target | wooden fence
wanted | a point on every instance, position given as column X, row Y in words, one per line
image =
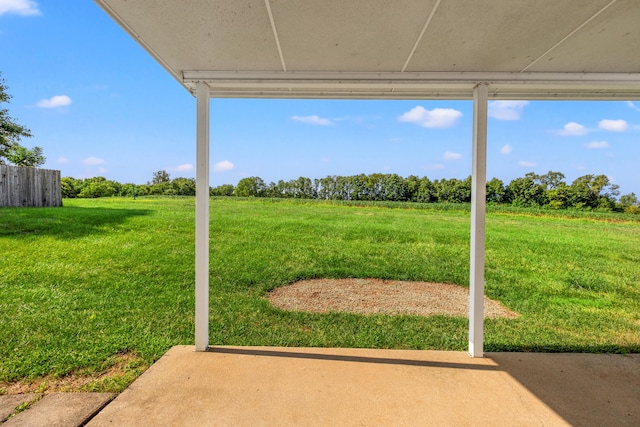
column 21, row 186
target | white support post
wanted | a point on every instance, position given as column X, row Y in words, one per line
column 202, row 217
column 478, row 213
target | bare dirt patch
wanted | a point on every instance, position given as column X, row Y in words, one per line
column 121, row 368
column 372, row 296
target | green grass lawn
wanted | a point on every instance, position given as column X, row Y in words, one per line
column 83, row 285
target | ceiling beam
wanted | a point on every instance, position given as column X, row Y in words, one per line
column 431, row 85
column 465, row 76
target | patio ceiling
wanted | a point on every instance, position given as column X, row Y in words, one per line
column 383, row 49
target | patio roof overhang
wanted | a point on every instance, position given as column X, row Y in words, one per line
column 414, row 49
column 381, row 49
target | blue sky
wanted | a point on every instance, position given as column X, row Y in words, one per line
column 98, row 104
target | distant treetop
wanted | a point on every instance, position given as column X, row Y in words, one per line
column 11, row 134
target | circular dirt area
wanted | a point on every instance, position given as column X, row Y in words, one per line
column 369, row 296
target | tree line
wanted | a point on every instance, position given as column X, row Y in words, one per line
column 160, row 185
column 588, row 192
column 592, row 192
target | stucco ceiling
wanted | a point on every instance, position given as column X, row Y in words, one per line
column 527, row 49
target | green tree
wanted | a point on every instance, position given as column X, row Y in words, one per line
column 374, row 186
column 160, row 184
column 326, row 188
column 160, row 177
column 526, row 191
column 629, row 200
column 413, row 183
column 425, row 193
column 22, row 156
column 143, row 190
column 70, row 187
column 559, row 197
column 452, row 190
column 594, row 192
column 303, row 188
column 11, row 133
column 222, row 190
column 550, row 180
column 358, row 187
column 184, row 186
column 342, row 189
column 394, row 188
column 128, row 189
column 250, row 187
column 98, row 187
column 556, row 192
column 496, row 192
column 629, row 203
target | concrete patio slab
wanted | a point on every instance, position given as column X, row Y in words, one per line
column 585, row 389
column 61, row 410
column 9, row 403
column 264, row 386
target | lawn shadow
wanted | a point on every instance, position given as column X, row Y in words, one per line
column 65, row 222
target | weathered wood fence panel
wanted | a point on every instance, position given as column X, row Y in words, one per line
column 29, row 187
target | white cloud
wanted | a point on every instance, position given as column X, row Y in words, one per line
column 435, row 166
column 450, row 155
column 526, row 164
column 19, row 7
column 597, row 144
column 613, row 125
column 506, row 110
column 54, row 101
column 573, row 129
column 184, row 168
column 506, row 149
column 223, row 166
column 312, row 120
column 632, row 105
column 436, row 118
column 62, row 160
column 103, row 170
column 92, row 161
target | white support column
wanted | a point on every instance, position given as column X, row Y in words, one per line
column 478, row 213
column 202, row 217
